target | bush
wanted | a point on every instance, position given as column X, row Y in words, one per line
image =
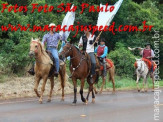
column 123, row 60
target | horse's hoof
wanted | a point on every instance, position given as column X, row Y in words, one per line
column 142, row 91
column 96, row 92
column 62, row 100
column 93, row 100
column 73, row 104
column 40, row 102
column 146, row 90
column 113, row 92
column 152, row 90
column 49, row 100
column 138, row 90
column 86, row 102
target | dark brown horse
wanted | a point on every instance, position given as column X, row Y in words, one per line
column 42, row 69
column 80, row 69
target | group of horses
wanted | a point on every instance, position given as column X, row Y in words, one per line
column 80, row 66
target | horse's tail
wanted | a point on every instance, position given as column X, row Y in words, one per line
column 111, row 73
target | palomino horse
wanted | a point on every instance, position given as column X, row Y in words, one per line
column 142, row 70
column 111, row 72
column 42, row 69
column 80, row 69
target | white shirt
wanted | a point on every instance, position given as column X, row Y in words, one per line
column 90, row 47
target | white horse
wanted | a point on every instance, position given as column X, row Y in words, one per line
column 143, row 71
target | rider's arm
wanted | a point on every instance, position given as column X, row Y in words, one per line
column 105, row 52
column 141, row 52
column 96, row 49
column 152, row 54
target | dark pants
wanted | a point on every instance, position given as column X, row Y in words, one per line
column 93, row 63
column 104, row 65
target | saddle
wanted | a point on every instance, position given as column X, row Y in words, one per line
column 148, row 63
column 99, row 64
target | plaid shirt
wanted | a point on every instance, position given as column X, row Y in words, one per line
column 52, row 40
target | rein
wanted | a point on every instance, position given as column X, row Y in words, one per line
column 81, row 59
column 34, row 51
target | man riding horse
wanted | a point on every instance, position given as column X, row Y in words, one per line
column 51, row 38
column 86, row 42
column 147, row 53
column 102, row 51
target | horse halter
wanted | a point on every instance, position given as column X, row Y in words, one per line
column 66, row 52
column 36, row 50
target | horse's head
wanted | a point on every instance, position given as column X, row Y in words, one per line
column 139, row 64
column 35, row 47
column 67, row 50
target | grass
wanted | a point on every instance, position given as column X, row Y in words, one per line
column 126, row 83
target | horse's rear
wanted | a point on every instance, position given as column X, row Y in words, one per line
column 110, row 70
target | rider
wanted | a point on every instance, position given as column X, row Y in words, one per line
column 51, row 38
column 147, row 53
column 86, row 41
column 102, row 51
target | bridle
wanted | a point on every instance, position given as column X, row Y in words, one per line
column 68, row 51
column 35, row 51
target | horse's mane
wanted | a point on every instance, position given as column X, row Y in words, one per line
column 77, row 48
column 42, row 48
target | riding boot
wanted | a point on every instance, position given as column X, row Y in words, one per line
column 31, row 71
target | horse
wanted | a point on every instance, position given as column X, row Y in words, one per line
column 110, row 71
column 142, row 70
column 43, row 68
column 80, row 69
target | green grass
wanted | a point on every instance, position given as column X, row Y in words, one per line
column 126, row 83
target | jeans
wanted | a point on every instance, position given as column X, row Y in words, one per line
column 93, row 63
column 54, row 52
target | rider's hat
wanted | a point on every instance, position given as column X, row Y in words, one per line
column 102, row 40
column 147, row 44
column 51, row 24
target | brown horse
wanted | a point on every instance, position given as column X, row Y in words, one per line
column 80, row 69
column 111, row 72
column 42, row 69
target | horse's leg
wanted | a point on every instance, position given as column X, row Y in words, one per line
column 51, row 90
column 37, row 81
column 102, row 86
column 144, row 80
column 94, row 88
column 62, row 79
column 81, row 90
column 112, row 79
column 93, row 96
column 43, row 88
column 75, row 90
column 137, row 82
column 88, row 94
